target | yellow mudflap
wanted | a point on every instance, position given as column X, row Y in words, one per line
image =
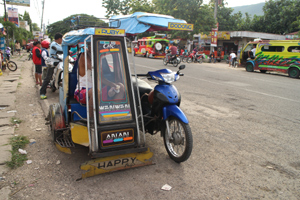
column 115, row 163
column 63, row 149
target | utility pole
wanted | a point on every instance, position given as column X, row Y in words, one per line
column 216, row 9
column 42, row 14
column 5, row 11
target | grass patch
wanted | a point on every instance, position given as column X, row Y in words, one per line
column 15, row 121
column 17, row 159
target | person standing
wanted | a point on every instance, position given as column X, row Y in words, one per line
column 232, row 59
column 18, row 48
column 37, row 60
column 56, row 43
column 45, row 54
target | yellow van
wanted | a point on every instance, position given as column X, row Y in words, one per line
column 275, row 55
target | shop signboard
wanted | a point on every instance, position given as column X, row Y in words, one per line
column 13, row 15
column 19, row 2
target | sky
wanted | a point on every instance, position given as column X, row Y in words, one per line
column 56, row 10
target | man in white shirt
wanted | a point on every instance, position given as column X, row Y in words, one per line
column 232, row 58
column 251, row 54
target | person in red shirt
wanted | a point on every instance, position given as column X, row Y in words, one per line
column 37, row 60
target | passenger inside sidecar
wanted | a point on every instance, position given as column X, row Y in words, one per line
column 111, row 83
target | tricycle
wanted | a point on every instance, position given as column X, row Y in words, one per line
column 119, row 108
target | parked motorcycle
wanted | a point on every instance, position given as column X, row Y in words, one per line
column 57, row 62
column 194, row 58
column 161, row 112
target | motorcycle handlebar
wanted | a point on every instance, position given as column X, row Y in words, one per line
column 143, row 75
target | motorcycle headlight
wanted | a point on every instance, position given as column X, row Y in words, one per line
column 169, row 77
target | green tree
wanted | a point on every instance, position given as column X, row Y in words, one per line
column 26, row 17
column 190, row 10
column 116, row 7
column 66, row 24
column 124, row 7
column 280, row 17
column 35, row 27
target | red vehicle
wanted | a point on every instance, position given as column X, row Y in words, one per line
column 218, row 52
column 153, row 46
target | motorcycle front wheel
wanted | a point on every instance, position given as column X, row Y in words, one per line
column 165, row 61
column 189, row 60
column 180, row 145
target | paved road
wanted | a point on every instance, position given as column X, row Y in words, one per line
column 246, row 138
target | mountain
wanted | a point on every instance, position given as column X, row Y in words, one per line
column 254, row 9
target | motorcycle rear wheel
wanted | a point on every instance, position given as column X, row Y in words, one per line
column 175, row 62
column 180, row 145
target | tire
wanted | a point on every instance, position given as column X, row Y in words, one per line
column 263, row 71
column 189, row 60
column 249, row 67
column 56, row 120
column 200, row 60
column 184, row 140
column 147, row 54
column 294, row 72
column 184, row 59
column 12, row 66
column 165, row 61
column 175, row 62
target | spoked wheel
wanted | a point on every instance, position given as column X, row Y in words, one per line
column 175, row 62
column 184, row 59
column 165, row 61
column 200, row 60
column 180, row 145
column 189, row 60
column 12, row 66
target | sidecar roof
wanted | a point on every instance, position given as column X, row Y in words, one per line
column 78, row 36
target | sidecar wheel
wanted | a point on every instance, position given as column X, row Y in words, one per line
column 180, row 146
column 56, row 120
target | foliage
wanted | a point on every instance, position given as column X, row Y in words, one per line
column 66, row 24
column 279, row 17
column 190, row 10
column 35, row 27
column 17, row 159
column 124, row 7
column 26, row 17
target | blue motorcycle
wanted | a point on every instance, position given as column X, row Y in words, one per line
column 161, row 112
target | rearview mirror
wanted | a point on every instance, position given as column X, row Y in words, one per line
column 181, row 67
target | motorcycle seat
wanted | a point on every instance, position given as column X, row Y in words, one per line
column 144, row 87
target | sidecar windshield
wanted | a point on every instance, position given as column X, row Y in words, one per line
column 114, row 103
